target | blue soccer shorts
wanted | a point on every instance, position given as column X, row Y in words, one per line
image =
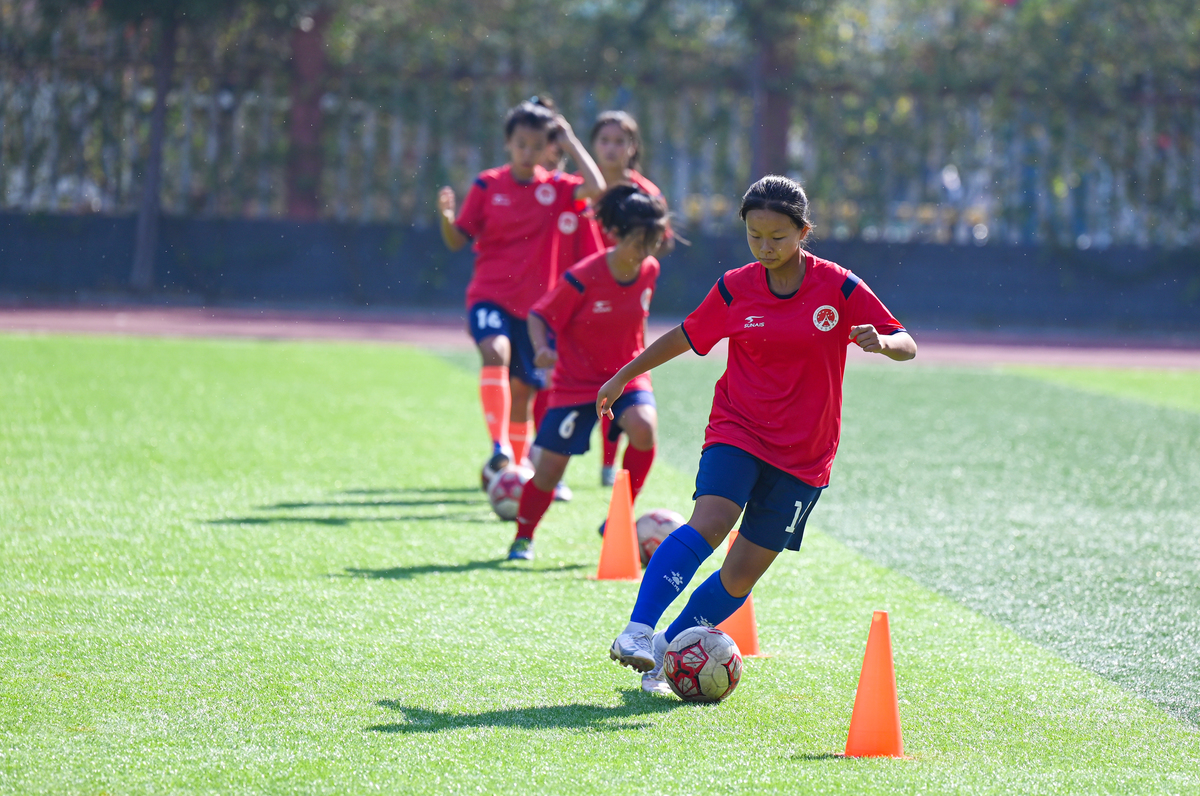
column 568, row 429
column 776, row 504
column 488, row 320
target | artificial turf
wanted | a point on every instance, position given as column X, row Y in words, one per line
column 266, row 567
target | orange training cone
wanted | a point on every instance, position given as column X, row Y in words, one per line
column 743, row 626
column 619, row 559
column 875, row 723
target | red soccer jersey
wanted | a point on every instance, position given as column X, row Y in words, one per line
column 600, row 325
column 576, row 237
column 780, row 398
column 513, row 225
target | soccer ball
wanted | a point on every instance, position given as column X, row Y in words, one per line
column 652, row 528
column 702, row 664
column 504, row 491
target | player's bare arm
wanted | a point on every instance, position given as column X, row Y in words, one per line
column 543, row 355
column 452, row 236
column 899, row 346
column 593, row 180
column 661, row 351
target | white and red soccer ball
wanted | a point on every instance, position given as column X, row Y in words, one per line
column 504, row 490
column 652, row 528
column 702, row 664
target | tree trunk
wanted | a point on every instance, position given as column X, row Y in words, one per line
column 142, row 277
column 772, row 106
column 305, row 159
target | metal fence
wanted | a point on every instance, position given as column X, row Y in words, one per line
column 975, row 169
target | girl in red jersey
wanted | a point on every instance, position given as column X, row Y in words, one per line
column 510, row 212
column 575, row 237
column 617, row 143
column 598, row 311
column 775, row 421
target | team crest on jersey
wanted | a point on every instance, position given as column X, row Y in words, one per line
column 602, row 306
column 825, row 318
column 646, row 294
column 501, row 199
column 568, row 222
column 544, row 194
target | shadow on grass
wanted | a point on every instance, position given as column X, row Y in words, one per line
column 448, row 490
column 339, row 521
column 394, row 498
column 366, row 504
column 405, row 573
column 574, row 716
column 815, row 757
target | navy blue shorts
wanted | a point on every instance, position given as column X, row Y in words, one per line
column 568, row 429
column 776, row 504
column 488, row 320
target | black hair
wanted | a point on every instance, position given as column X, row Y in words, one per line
column 628, row 125
column 778, row 194
column 547, row 102
column 527, row 114
column 625, row 210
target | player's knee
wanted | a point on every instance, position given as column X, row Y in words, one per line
column 495, row 350
column 641, row 428
column 550, row 469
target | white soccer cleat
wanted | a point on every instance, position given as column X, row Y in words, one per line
column 634, row 650
column 562, row 492
column 653, row 681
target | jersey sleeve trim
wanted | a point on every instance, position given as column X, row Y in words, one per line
column 848, row 286
column 573, row 281
column 481, row 183
column 689, row 339
column 725, row 294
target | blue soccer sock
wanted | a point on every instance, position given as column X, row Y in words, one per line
column 671, row 568
column 709, row 605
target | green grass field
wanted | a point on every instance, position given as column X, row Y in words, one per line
column 267, row 567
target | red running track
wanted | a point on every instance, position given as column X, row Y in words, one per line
column 448, row 330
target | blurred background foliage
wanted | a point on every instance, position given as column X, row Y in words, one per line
column 1042, row 119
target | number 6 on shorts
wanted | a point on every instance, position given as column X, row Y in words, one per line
column 567, row 427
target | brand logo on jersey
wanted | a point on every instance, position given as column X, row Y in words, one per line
column 501, row 199
column 825, row 318
column 602, row 306
column 544, row 193
column 646, row 294
column 568, row 222
column 753, row 321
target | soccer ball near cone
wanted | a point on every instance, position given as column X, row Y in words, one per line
column 702, row 664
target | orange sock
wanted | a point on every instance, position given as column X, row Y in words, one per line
column 522, row 436
column 496, row 398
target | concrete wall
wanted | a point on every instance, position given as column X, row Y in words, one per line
column 48, row 257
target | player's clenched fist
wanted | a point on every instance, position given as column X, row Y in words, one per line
column 866, row 338
column 446, row 202
column 545, row 357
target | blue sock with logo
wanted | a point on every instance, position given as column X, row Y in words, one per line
column 709, row 605
column 670, row 570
